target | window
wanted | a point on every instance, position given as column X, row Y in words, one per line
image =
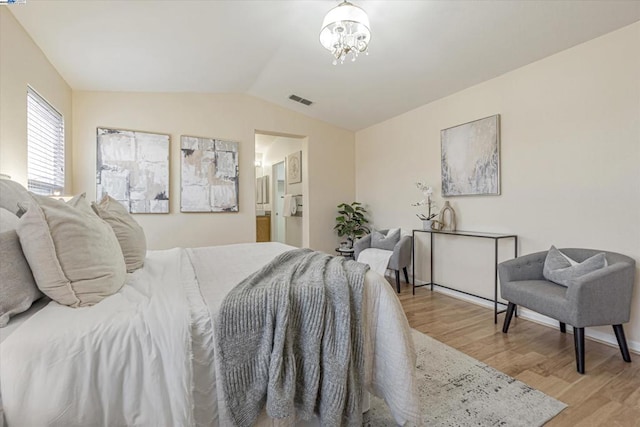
column 45, row 142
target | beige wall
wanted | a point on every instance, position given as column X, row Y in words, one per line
column 328, row 179
column 23, row 63
column 570, row 163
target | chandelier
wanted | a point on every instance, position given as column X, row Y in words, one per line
column 345, row 30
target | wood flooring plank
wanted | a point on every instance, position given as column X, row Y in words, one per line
column 602, row 416
column 548, row 384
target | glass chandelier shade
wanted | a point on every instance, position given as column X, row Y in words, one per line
column 345, row 30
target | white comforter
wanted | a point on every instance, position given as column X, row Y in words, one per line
column 144, row 356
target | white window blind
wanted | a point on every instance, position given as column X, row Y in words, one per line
column 45, row 141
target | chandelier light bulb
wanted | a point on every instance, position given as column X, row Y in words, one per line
column 345, row 31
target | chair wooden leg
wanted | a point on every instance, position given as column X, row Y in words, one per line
column 398, row 280
column 507, row 318
column 406, row 275
column 578, row 339
column 622, row 342
column 563, row 328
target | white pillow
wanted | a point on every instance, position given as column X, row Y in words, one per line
column 74, row 255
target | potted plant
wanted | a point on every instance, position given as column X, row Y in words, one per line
column 351, row 222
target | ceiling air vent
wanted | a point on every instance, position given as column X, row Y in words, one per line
column 300, row 100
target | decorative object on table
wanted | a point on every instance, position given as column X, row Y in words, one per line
column 351, row 222
column 294, row 167
column 435, row 225
column 427, row 192
column 471, row 158
column 209, row 180
column 458, row 390
column 133, row 168
column 447, row 218
column 345, row 30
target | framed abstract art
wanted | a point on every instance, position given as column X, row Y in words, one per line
column 133, row 168
column 471, row 158
column 209, row 176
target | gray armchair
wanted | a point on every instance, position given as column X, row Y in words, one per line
column 602, row 297
column 400, row 259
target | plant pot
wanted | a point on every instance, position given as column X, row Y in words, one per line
column 427, row 224
column 346, row 244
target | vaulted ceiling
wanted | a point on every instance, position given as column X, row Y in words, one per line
column 420, row 51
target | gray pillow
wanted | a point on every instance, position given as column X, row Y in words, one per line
column 560, row 269
column 129, row 233
column 388, row 242
column 19, row 289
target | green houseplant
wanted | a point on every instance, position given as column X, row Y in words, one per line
column 351, row 222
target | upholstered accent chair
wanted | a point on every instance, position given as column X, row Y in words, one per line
column 400, row 259
column 602, row 297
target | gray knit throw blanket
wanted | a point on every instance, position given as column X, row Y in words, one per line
column 289, row 337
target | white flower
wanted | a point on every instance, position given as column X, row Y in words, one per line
column 427, row 191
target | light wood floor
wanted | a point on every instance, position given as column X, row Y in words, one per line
column 608, row 394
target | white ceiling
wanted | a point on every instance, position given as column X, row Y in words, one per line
column 420, row 50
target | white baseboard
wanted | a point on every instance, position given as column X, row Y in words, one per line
column 595, row 335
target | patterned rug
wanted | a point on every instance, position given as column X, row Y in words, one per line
column 457, row 390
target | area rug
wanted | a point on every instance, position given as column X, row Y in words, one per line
column 457, row 390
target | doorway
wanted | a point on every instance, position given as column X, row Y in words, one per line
column 274, row 189
column 278, row 226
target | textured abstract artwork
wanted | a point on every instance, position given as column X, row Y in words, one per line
column 209, row 175
column 471, row 158
column 133, row 168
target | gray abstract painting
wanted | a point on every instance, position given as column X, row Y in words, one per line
column 471, row 158
column 133, row 168
column 209, row 175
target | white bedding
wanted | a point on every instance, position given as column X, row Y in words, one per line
column 143, row 356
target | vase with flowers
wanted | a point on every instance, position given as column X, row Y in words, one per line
column 427, row 192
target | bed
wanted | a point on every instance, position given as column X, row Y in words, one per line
column 148, row 338
column 145, row 356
